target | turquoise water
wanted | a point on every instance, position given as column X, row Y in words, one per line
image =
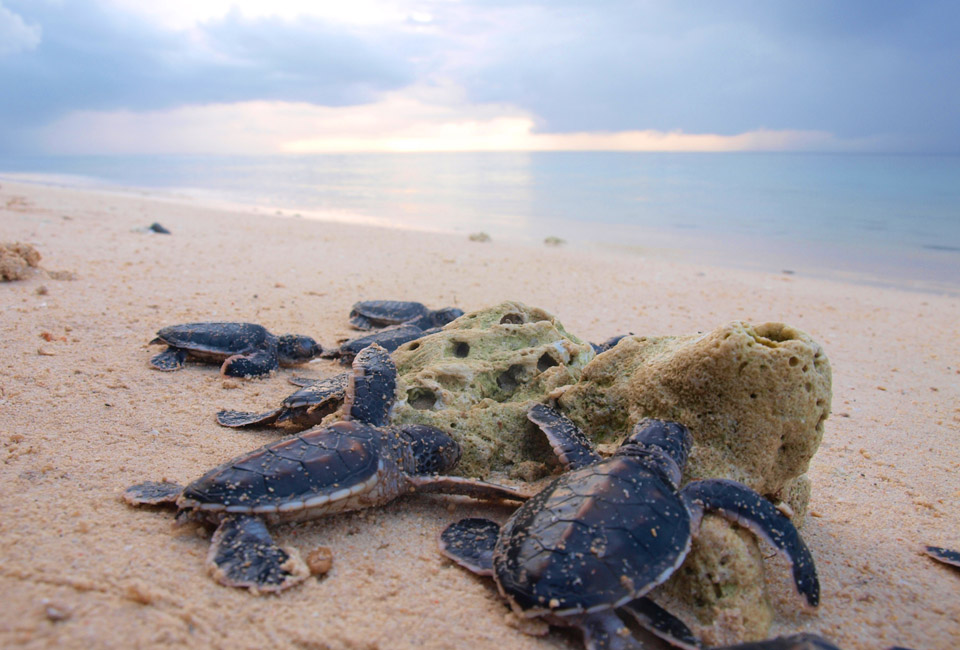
column 877, row 218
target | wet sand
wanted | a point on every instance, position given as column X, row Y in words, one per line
column 83, row 416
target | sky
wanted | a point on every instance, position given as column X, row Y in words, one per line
column 301, row 76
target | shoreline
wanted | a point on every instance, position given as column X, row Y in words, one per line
column 926, row 270
column 84, row 417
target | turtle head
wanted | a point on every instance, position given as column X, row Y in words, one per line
column 433, row 451
column 441, row 317
column 293, row 349
column 665, row 444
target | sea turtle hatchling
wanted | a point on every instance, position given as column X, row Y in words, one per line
column 355, row 463
column 245, row 349
column 605, row 533
column 389, row 338
column 377, row 314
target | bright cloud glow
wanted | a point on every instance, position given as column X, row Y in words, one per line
column 184, row 14
column 401, row 122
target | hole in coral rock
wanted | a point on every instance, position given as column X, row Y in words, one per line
column 808, row 387
column 509, row 380
column 794, row 361
column 545, row 361
column 776, row 332
column 753, row 396
column 511, row 319
column 422, row 399
column 461, row 349
column 414, row 345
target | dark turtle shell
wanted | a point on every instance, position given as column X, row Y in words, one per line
column 594, row 539
column 313, row 469
column 374, row 314
column 217, row 338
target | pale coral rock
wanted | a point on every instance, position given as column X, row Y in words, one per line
column 16, row 260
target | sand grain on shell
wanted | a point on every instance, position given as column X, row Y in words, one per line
column 88, row 417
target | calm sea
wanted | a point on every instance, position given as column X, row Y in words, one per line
column 885, row 219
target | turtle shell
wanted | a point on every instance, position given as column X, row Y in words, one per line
column 374, row 314
column 314, row 469
column 217, row 338
column 594, row 539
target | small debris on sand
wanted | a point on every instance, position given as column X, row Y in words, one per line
column 479, row 237
column 320, row 560
column 554, row 241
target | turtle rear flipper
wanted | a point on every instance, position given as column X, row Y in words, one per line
column 238, row 419
column 605, row 631
column 152, row 493
column 569, row 443
column 746, row 508
column 253, row 364
column 242, row 554
column 466, row 487
column 170, row 359
column 470, row 543
column 655, row 619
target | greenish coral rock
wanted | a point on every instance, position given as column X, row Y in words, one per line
column 477, row 377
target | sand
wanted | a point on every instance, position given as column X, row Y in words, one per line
column 82, row 416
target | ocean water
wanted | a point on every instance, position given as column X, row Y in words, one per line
column 888, row 219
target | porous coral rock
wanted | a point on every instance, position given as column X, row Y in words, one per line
column 16, row 260
column 477, row 377
column 755, row 399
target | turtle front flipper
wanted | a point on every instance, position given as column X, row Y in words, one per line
column 242, row 554
column 944, row 555
column 253, row 364
column 569, row 443
column 170, row 359
column 605, row 631
column 470, row 543
column 650, row 616
column 466, row 487
column 239, row 419
column 746, row 508
column 371, row 389
column 152, row 493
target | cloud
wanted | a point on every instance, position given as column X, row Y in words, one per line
column 858, row 69
column 416, row 119
column 16, row 35
column 93, row 58
column 877, row 73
